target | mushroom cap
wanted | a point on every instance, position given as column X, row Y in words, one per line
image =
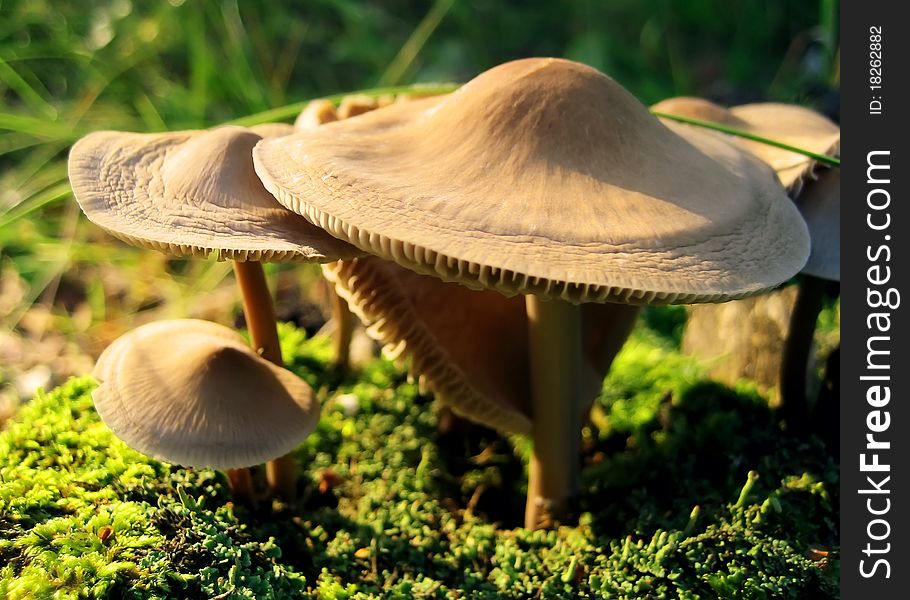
column 193, row 393
column 699, row 108
column 192, row 193
column 816, row 190
column 317, row 112
column 272, row 129
column 544, row 176
column 819, row 204
column 469, row 346
column 794, row 125
column 356, row 104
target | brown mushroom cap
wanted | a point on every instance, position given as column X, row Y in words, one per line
column 193, row 393
column 317, row 112
column 794, row 125
column 818, row 201
column 544, row 176
column 191, row 193
column 470, row 346
column 699, row 108
column 272, row 129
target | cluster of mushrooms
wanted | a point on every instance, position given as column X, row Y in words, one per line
column 502, row 237
column 768, row 339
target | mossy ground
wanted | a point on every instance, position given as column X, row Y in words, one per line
column 391, row 508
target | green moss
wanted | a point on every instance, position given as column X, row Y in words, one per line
column 413, row 514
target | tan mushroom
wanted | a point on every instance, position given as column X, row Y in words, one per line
column 193, row 193
column 316, row 113
column 193, row 393
column 794, row 125
column 816, row 191
column 819, row 204
column 788, row 123
column 470, row 347
column 770, row 338
column 544, row 177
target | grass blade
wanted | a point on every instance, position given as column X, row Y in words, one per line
column 396, row 70
column 831, row 161
column 48, row 196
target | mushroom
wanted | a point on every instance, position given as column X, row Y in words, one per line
column 797, row 126
column 194, row 393
column 191, row 193
column 816, row 192
column 544, row 177
column 316, row 113
column 470, row 347
column 788, row 123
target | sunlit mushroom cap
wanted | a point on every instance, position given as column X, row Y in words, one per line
column 272, row 129
column 794, row 125
column 193, row 393
column 820, row 206
column 699, row 108
column 470, row 347
column 544, row 176
column 818, row 201
column 317, row 112
column 192, row 193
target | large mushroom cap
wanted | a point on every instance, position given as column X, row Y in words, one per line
column 192, row 193
column 544, row 176
column 193, row 393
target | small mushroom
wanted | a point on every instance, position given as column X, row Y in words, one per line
column 543, row 177
column 816, row 192
column 193, row 393
column 316, row 113
column 192, row 193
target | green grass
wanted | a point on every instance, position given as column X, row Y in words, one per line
column 68, row 68
column 663, row 507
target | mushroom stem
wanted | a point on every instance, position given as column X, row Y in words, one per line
column 241, row 483
column 344, row 330
column 258, row 310
column 281, row 473
column 795, row 360
column 554, row 333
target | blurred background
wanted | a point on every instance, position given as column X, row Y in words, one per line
column 68, row 68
